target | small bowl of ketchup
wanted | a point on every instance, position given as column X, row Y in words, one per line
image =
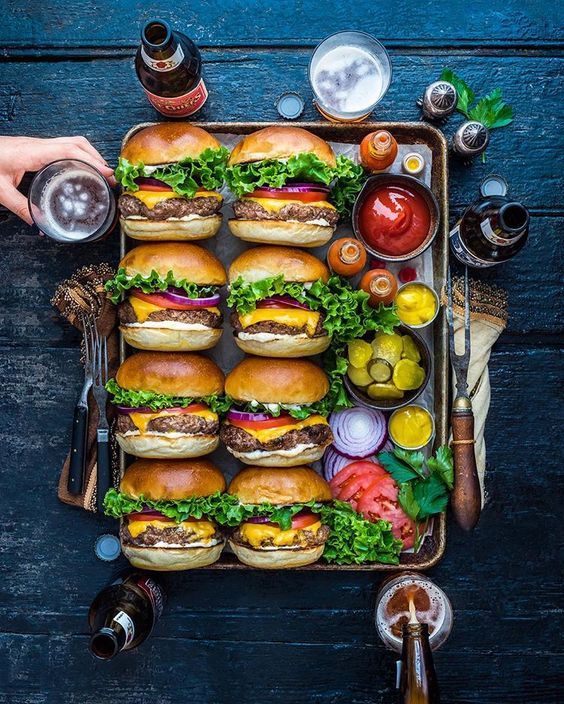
column 395, row 216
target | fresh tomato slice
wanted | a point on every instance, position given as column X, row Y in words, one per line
column 154, row 187
column 307, row 197
column 153, row 516
column 354, row 475
column 379, row 501
column 303, row 520
column 163, row 302
column 265, row 424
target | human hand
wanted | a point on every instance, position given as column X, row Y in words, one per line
column 21, row 154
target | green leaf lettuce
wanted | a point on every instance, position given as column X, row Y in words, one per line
column 121, row 283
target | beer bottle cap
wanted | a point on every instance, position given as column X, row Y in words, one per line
column 493, row 185
column 290, row 105
column 107, row 547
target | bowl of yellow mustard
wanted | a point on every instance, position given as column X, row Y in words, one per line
column 411, row 427
column 417, row 304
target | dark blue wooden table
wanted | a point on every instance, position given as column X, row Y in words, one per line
column 67, row 68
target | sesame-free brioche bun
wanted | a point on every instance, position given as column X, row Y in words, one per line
column 177, row 339
column 276, row 559
column 172, row 559
column 260, row 263
column 270, row 380
column 197, row 228
column 186, row 261
column 283, row 232
column 162, row 446
column 166, row 143
column 290, row 346
column 294, row 485
column 171, row 480
column 294, row 457
column 173, row 374
column 279, row 142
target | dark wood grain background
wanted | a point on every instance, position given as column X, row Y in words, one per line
column 66, row 68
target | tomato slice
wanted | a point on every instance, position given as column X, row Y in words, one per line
column 154, row 187
column 354, row 475
column 379, row 501
column 265, row 424
column 163, row 302
column 303, row 520
column 153, row 516
column 307, row 197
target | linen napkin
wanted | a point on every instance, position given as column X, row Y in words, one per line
column 488, row 318
column 83, row 295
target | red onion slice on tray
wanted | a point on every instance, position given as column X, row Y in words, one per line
column 334, row 461
column 358, row 432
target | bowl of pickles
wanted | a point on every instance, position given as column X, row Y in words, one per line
column 387, row 370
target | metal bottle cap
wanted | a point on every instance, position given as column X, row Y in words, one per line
column 290, row 105
column 494, row 185
column 470, row 139
column 107, row 547
column 438, row 101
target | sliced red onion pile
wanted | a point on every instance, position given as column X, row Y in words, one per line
column 334, row 461
column 358, row 432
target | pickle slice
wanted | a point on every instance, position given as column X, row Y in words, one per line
column 384, row 391
column 359, row 377
column 360, row 353
column 410, row 350
column 380, row 370
column 408, row 375
column 387, row 347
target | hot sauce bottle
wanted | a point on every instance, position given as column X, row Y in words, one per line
column 346, row 256
column 378, row 151
column 380, row 285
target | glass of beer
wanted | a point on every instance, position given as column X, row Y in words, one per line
column 70, row 201
column 349, row 73
column 432, row 607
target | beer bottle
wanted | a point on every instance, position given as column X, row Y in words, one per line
column 418, row 683
column 123, row 614
column 169, row 66
column 491, row 231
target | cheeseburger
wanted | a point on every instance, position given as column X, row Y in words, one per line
column 154, row 540
column 272, row 290
column 280, row 177
column 285, row 538
column 277, row 418
column 170, row 174
column 169, row 295
column 167, row 404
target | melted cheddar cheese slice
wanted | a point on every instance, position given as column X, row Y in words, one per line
column 269, row 434
column 142, row 420
column 274, row 205
column 143, row 309
column 151, row 198
column 293, row 317
column 255, row 534
column 203, row 529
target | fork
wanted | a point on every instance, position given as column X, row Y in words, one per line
column 100, row 377
column 466, row 501
column 77, row 464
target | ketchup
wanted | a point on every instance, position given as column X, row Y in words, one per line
column 394, row 220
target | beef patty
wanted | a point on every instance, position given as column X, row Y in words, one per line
column 276, row 328
column 127, row 314
column 239, row 440
column 309, row 537
column 182, row 423
column 169, row 208
column 249, row 210
column 153, row 535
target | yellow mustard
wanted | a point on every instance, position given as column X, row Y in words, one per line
column 416, row 304
column 411, row 427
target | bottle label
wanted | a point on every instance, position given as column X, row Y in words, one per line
column 155, row 594
column 181, row 105
column 493, row 235
column 163, row 65
column 128, row 626
column 462, row 252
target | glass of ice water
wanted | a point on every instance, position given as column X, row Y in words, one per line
column 70, row 201
column 349, row 73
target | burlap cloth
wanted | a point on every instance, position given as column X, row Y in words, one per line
column 488, row 318
column 83, row 295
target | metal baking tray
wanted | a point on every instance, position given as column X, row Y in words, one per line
column 410, row 133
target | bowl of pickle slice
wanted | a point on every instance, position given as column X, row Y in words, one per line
column 387, row 370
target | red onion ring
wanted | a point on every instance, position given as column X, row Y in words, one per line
column 171, row 295
column 258, row 519
column 334, row 461
column 148, row 181
column 240, row 415
column 281, row 302
column 296, row 188
column 358, row 432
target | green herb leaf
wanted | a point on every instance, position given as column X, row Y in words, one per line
column 431, row 495
column 133, row 398
column 399, row 470
column 491, row 111
column 121, row 283
column 466, row 95
column 442, row 465
column 185, row 177
column 407, row 500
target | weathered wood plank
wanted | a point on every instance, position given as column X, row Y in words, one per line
column 397, row 22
